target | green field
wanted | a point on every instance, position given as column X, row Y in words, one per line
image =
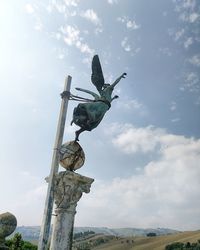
column 137, row 243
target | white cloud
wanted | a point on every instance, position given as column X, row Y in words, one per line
column 175, row 119
column 38, row 26
column 65, row 7
column 188, row 14
column 188, row 4
column 131, row 105
column 49, row 8
column 125, row 45
column 112, row 1
column 193, row 17
column 92, row 16
column 188, row 42
column 195, row 60
column 72, row 2
column 121, row 19
column 186, row 10
column 28, row 203
column 72, row 13
column 98, row 30
column 29, row 8
column 84, row 48
column 61, row 56
column 130, row 24
column 133, row 140
column 191, row 80
column 33, row 9
column 59, row 6
column 136, row 50
column 87, row 61
column 179, row 34
column 184, row 5
column 72, row 37
column 108, row 76
column 173, row 106
column 57, row 35
column 165, row 194
column 71, row 34
column 61, row 52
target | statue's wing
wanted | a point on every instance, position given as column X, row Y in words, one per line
column 97, row 74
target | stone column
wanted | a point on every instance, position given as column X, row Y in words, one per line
column 68, row 189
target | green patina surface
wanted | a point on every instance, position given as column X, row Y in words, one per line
column 88, row 115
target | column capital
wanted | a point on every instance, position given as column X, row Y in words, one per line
column 68, row 189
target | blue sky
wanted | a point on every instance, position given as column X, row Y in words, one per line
column 144, row 156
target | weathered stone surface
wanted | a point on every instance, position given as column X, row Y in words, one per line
column 68, row 189
column 8, row 223
column 72, row 155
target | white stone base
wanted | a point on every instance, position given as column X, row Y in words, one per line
column 68, row 189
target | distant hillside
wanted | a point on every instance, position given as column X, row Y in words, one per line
column 106, row 242
column 32, row 233
column 126, row 231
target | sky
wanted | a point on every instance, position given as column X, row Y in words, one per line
column 145, row 154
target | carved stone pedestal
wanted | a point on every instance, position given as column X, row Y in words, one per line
column 68, row 189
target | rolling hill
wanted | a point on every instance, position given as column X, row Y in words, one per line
column 32, row 232
column 108, row 242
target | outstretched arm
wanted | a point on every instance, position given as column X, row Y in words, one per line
column 88, row 92
column 118, row 79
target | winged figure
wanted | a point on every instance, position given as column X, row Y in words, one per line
column 88, row 115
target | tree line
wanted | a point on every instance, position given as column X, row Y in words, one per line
column 17, row 243
column 184, row 246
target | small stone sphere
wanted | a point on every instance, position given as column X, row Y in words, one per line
column 8, row 224
column 72, row 155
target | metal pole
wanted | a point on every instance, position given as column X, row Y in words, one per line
column 46, row 223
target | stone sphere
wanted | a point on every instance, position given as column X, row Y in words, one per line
column 72, row 156
column 8, row 224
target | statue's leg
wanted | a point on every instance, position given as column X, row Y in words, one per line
column 78, row 133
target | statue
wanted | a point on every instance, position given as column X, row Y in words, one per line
column 88, row 115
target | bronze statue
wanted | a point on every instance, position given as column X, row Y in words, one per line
column 88, row 115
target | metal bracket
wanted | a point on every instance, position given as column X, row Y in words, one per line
column 69, row 96
column 65, row 94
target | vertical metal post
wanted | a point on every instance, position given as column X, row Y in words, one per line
column 46, row 223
